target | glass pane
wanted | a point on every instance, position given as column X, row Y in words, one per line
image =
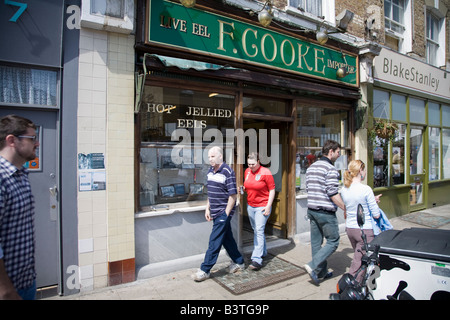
column 176, row 128
column 398, row 107
column 398, row 155
column 416, row 110
column 446, row 152
column 416, row 193
column 416, row 156
column 434, row 154
column 433, row 114
column 380, row 163
column 380, row 104
column 446, row 116
column 315, row 126
column 266, row 106
column 314, row 7
column 28, row 86
column 387, row 8
column 108, row 8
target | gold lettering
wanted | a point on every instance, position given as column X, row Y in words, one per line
column 263, row 40
column 200, row 30
column 222, row 32
column 292, row 53
column 244, row 42
column 316, row 58
column 302, row 56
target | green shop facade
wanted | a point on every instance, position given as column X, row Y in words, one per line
column 214, row 75
column 412, row 167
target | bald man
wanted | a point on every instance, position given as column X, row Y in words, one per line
column 220, row 206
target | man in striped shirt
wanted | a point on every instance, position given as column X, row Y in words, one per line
column 322, row 187
column 18, row 145
column 222, row 194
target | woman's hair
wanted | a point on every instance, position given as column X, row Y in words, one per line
column 253, row 156
column 353, row 170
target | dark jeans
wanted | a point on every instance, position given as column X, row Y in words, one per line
column 323, row 225
column 221, row 234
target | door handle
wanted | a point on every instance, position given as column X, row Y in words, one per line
column 53, row 191
column 53, row 203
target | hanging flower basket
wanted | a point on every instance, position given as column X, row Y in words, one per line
column 383, row 129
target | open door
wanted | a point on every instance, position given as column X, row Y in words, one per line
column 277, row 223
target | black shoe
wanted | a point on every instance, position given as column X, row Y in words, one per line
column 255, row 266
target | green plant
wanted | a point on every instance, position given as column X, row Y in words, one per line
column 383, row 129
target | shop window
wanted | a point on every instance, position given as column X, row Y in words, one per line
column 416, row 110
column 434, row 116
column 434, row 137
column 446, row 152
column 398, row 107
column 28, row 86
column 264, row 106
column 398, row 155
column 389, row 158
column 315, row 126
column 177, row 127
column 446, row 116
column 380, row 104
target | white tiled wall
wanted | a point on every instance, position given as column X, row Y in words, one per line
column 106, row 125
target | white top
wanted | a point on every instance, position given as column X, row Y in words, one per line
column 363, row 194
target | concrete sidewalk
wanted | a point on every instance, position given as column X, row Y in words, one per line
column 180, row 286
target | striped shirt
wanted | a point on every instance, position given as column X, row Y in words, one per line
column 221, row 184
column 17, row 225
column 322, row 182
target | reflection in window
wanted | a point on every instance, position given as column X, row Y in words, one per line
column 416, row 152
column 434, row 154
column 315, row 126
column 380, row 104
column 446, row 152
column 173, row 163
column 266, row 106
column 398, row 155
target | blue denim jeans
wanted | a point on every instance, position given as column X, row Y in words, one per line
column 323, row 225
column 258, row 221
column 28, row 293
column 221, row 234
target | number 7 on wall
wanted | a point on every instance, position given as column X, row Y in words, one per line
column 22, row 8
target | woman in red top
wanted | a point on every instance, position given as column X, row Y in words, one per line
column 260, row 188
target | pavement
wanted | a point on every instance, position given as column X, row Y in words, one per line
column 179, row 285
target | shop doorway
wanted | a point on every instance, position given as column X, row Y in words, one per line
column 278, row 151
column 44, row 179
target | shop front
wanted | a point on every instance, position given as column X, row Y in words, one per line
column 205, row 78
column 411, row 169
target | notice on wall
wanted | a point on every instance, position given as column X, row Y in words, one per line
column 91, row 172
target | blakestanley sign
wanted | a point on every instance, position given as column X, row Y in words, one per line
column 402, row 70
column 194, row 30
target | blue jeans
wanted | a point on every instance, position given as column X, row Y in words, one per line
column 323, row 225
column 258, row 221
column 28, row 293
column 221, row 234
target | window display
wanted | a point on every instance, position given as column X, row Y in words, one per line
column 174, row 139
column 315, row 126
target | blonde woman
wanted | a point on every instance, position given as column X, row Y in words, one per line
column 354, row 193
